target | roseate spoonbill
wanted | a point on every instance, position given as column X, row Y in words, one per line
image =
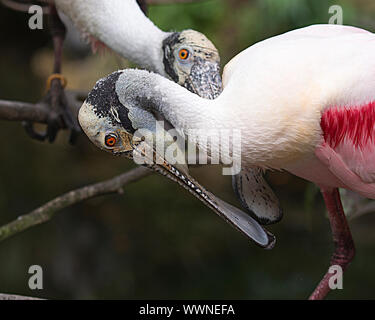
column 303, row 100
column 186, row 57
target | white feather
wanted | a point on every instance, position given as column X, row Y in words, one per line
column 122, row 26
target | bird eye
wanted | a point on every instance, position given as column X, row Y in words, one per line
column 110, row 140
column 183, row 54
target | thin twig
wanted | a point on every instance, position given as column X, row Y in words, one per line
column 4, row 296
column 20, row 111
column 47, row 211
column 36, row 112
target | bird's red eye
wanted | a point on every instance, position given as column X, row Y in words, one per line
column 183, row 54
column 110, row 140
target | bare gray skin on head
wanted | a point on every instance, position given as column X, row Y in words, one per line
column 127, row 97
column 198, row 70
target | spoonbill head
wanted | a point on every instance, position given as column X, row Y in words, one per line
column 191, row 60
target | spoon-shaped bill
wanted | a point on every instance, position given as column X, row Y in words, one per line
column 234, row 216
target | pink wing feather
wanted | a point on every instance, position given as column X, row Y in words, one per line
column 349, row 146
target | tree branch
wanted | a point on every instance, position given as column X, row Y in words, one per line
column 38, row 112
column 4, row 296
column 24, row 6
column 19, row 111
column 48, row 210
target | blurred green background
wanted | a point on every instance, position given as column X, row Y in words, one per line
column 155, row 240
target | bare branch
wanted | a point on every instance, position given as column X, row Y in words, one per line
column 20, row 111
column 38, row 112
column 24, row 6
column 4, row 296
column 47, row 211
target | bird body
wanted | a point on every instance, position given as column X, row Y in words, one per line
column 304, row 102
column 291, row 95
column 295, row 99
column 281, row 87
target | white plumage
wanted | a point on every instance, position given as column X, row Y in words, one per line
column 122, row 26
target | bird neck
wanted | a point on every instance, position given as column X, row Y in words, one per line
column 168, row 101
column 122, row 26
